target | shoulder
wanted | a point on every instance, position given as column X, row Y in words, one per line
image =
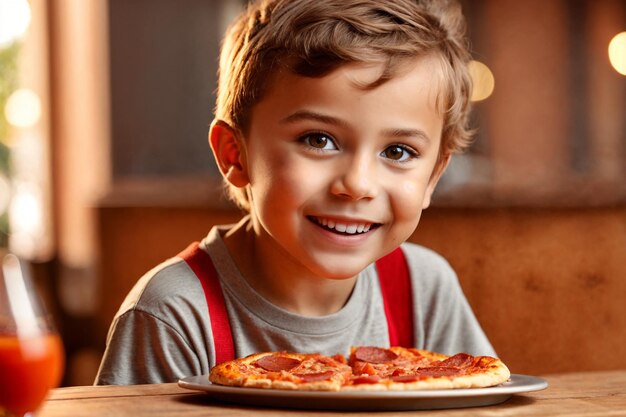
column 432, row 276
column 169, row 286
column 425, row 261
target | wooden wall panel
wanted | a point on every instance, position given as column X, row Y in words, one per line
column 544, row 283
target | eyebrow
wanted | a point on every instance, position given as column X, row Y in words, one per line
column 311, row 115
column 403, row 133
column 327, row 119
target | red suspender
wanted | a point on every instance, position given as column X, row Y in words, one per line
column 395, row 284
column 201, row 264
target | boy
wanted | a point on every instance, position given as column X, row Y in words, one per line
column 334, row 121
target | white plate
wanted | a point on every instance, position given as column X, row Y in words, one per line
column 367, row 400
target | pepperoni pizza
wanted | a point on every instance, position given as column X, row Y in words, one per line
column 368, row 368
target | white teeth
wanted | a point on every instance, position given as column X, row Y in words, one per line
column 345, row 228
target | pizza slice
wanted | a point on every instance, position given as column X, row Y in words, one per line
column 398, row 368
column 284, row 370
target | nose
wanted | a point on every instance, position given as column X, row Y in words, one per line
column 356, row 178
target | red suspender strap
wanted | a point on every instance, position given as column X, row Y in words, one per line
column 202, row 265
column 395, row 284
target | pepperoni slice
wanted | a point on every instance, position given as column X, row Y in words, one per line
column 361, row 368
column 404, row 378
column 316, row 376
column 365, row 379
column 373, row 354
column 277, row 363
column 460, row 360
column 437, row 371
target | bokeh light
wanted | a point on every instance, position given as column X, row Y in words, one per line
column 5, row 193
column 26, row 219
column 483, row 80
column 617, row 52
column 14, row 20
column 26, row 212
column 23, row 108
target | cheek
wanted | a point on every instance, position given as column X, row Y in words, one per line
column 409, row 187
column 281, row 183
column 408, row 198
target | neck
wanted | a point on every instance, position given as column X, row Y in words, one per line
column 280, row 278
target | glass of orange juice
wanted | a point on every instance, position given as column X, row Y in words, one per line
column 31, row 351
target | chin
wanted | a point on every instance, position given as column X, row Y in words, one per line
column 338, row 270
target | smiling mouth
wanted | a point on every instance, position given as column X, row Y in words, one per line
column 343, row 227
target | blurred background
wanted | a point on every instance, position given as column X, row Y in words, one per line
column 105, row 169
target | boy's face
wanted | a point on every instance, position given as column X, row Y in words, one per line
column 339, row 174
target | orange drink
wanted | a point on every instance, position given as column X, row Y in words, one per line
column 29, row 367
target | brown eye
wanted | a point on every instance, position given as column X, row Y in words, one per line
column 394, row 152
column 399, row 153
column 319, row 141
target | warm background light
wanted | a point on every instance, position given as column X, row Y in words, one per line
column 483, row 80
column 617, row 52
column 5, row 193
column 23, row 108
column 26, row 218
column 14, row 20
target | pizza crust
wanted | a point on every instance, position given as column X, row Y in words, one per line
column 483, row 380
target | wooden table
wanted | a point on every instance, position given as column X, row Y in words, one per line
column 582, row 394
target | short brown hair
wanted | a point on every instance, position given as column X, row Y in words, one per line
column 312, row 38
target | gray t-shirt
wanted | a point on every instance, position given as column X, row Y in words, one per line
column 162, row 331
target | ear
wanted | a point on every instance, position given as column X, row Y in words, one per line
column 229, row 152
column 440, row 167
